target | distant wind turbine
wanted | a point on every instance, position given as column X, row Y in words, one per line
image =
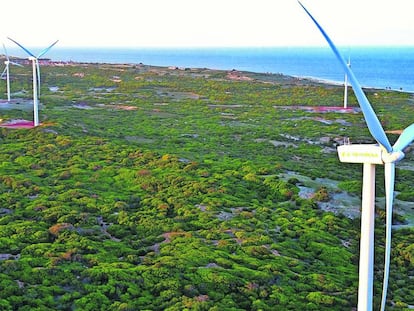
column 370, row 155
column 36, row 76
column 346, row 86
column 6, row 71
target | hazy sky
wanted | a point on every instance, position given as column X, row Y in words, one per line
column 194, row 23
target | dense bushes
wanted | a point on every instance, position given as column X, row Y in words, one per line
column 178, row 203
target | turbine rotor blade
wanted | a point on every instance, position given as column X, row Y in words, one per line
column 7, row 57
column 26, row 50
column 47, row 49
column 17, row 64
column 4, row 71
column 38, row 77
column 389, row 172
column 406, row 138
column 371, row 118
column 5, row 52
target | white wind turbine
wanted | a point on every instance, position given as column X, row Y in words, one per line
column 346, row 86
column 36, row 76
column 370, row 155
column 6, row 71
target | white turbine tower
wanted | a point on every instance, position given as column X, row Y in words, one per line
column 6, row 71
column 36, row 76
column 370, row 155
column 346, row 86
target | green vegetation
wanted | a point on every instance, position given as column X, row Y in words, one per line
column 150, row 188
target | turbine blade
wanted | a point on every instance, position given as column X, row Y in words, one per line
column 17, row 64
column 5, row 52
column 406, row 138
column 389, row 196
column 4, row 71
column 38, row 77
column 47, row 49
column 371, row 119
column 26, row 50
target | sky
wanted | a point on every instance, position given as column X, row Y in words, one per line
column 206, row 23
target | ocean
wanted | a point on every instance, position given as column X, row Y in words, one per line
column 377, row 67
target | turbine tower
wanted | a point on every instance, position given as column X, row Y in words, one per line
column 36, row 76
column 346, row 86
column 370, row 156
column 6, row 71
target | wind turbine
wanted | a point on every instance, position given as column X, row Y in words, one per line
column 346, row 86
column 36, row 76
column 6, row 71
column 369, row 156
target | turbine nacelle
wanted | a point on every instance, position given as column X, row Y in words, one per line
column 373, row 154
column 360, row 154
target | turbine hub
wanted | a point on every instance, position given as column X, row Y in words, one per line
column 391, row 157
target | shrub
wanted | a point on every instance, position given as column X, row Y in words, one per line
column 353, row 186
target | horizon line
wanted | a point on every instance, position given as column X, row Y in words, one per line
column 218, row 46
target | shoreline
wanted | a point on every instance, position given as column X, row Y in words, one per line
column 338, row 83
column 304, row 77
column 310, row 78
column 382, row 68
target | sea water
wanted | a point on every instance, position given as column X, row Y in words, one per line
column 377, row 67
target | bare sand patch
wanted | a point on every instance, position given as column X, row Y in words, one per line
column 18, row 124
